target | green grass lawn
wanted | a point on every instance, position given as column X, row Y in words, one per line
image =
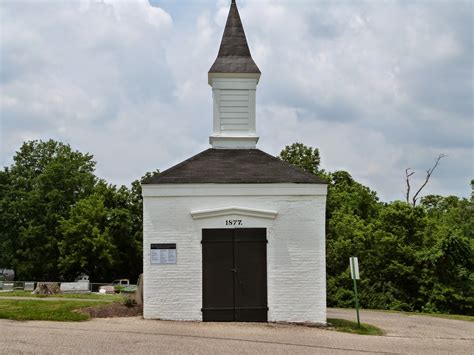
column 42, row 310
column 348, row 326
column 93, row 296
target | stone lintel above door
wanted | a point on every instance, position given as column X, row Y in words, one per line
column 233, row 210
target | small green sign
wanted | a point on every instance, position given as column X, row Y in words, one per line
column 354, row 266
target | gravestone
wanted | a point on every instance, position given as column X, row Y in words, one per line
column 107, row 290
column 75, row 287
column 8, row 286
column 29, row 286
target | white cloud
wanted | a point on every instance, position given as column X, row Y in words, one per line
column 378, row 87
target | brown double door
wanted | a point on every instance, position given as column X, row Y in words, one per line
column 234, row 267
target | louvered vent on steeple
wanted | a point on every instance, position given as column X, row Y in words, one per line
column 234, row 77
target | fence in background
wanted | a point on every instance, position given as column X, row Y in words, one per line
column 31, row 285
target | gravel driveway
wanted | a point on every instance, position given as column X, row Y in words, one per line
column 409, row 325
column 405, row 334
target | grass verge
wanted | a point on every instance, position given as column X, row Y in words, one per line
column 347, row 326
column 40, row 310
column 443, row 315
column 92, row 296
column 438, row 315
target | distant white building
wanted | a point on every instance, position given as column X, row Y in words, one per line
column 232, row 233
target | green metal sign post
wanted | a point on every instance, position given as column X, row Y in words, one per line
column 354, row 265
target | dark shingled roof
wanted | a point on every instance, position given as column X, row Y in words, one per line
column 234, row 53
column 233, row 166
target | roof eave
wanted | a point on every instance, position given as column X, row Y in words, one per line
column 213, row 75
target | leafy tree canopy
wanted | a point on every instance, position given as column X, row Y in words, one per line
column 304, row 157
column 411, row 257
column 58, row 219
column 45, row 179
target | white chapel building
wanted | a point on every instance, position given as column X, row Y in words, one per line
column 233, row 233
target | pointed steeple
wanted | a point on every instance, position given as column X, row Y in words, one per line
column 234, row 77
column 234, row 53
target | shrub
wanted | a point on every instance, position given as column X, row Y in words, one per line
column 129, row 302
column 119, row 288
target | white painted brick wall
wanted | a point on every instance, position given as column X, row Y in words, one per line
column 295, row 254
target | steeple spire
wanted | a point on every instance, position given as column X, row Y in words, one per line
column 234, row 77
column 234, row 53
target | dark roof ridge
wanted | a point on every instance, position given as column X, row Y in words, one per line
column 234, row 166
column 291, row 166
column 177, row 166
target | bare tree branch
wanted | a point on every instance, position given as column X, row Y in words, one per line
column 428, row 175
column 407, row 174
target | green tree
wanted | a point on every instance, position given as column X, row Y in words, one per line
column 125, row 222
column 411, row 257
column 87, row 245
column 399, row 240
column 103, row 234
column 7, row 221
column 304, row 157
column 45, row 179
column 448, row 274
column 134, row 257
column 346, row 194
column 59, row 220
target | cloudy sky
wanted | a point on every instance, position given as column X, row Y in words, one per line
column 377, row 86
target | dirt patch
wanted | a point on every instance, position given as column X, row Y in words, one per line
column 114, row 309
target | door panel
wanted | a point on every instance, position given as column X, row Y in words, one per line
column 235, row 275
column 250, row 288
column 218, row 276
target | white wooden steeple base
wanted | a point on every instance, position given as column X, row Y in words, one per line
column 233, row 142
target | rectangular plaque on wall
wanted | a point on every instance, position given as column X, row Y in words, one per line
column 163, row 253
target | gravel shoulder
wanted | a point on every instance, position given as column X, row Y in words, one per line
column 409, row 325
column 424, row 335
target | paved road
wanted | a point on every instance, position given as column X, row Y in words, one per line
column 405, row 334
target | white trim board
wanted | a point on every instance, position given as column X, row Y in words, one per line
column 284, row 189
column 242, row 211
